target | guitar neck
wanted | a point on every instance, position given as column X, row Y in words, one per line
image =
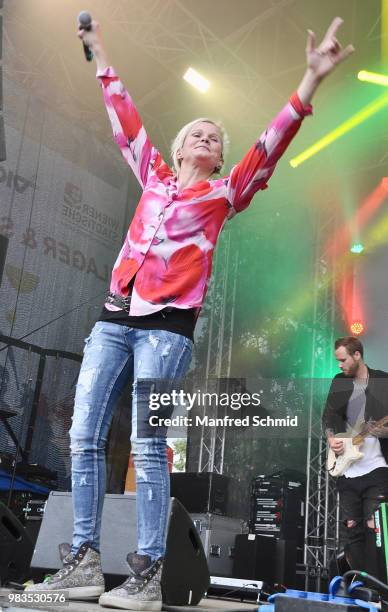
column 359, row 438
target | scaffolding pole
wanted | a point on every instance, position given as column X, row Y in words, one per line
column 321, row 520
column 222, row 298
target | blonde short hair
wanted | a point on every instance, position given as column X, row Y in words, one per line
column 180, row 138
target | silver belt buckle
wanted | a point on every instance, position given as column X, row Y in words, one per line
column 127, row 303
column 120, row 301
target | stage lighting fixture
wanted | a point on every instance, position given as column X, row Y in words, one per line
column 342, row 129
column 196, row 80
column 373, row 77
column 357, row 328
column 357, row 247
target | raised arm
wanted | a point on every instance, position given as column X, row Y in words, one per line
column 321, row 60
column 128, row 130
column 258, row 165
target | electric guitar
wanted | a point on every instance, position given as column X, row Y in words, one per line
column 338, row 464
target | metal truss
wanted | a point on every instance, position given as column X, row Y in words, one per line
column 173, row 33
column 158, row 39
column 321, row 521
column 161, row 37
column 222, row 297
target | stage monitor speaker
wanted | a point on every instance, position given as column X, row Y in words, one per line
column 185, row 576
column 15, row 548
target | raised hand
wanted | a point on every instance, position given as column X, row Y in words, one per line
column 93, row 39
column 323, row 59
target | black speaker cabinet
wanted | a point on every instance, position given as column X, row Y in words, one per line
column 258, row 557
column 201, row 492
column 185, row 576
column 15, row 548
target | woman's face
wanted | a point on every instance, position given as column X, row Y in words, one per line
column 203, row 146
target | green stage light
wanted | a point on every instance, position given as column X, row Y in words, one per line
column 342, row 129
column 357, row 248
column 373, row 77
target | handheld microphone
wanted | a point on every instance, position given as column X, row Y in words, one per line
column 85, row 23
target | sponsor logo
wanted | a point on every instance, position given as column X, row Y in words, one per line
column 86, row 217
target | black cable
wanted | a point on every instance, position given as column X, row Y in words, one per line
column 375, row 581
column 236, row 590
column 57, row 318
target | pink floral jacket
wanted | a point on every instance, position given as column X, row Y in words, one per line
column 170, row 242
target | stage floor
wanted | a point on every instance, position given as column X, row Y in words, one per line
column 205, row 605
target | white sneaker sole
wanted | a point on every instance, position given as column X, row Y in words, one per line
column 86, row 592
column 126, row 603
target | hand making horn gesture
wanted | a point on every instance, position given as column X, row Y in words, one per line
column 322, row 60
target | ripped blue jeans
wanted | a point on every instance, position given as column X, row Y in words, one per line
column 113, row 355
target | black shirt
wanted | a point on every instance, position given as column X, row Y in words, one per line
column 175, row 320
